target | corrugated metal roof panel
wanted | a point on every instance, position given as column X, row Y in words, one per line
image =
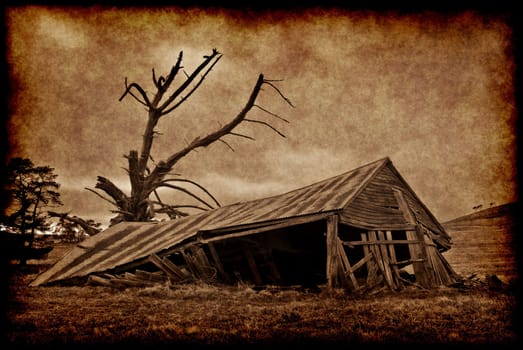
column 127, row 242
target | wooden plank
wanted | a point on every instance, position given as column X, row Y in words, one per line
column 155, row 259
column 271, row 264
column 428, row 278
column 129, row 282
column 206, row 270
column 97, row 280
column 371, row 265
column 218, row 262
column 130, row 276
column 386, row 260
column 392, row 255
column 252, row 265
column 417, row 251
column 332, row 256
column 375, row 210
column 362, row 262
column 379, row 259
column 175, row 269
column 404, row 207
column 347, row 219
column 409, row 261
column 274, row 270
column 150, row 276
column 418, row 259
column 378, row 242
column 381, row 220
column 345, row 263
column 191, row 264
column 452, row 274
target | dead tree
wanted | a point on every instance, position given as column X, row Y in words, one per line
column 147, row 176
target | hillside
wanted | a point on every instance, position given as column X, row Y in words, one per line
column 484, row 242
column 497, row 214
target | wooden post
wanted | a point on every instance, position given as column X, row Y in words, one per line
column 417, row 251
column 386, row 260
column 271, row 264
column 379, row 259
column 371, row 265
column 173, row 274
column 394, row 261
column 252, row 266
column 332, row 250
column 346, row 267
column 218, row 262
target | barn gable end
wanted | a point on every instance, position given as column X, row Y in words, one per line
column 385, row 228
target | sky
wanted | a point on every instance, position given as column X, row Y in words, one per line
column 433, row 92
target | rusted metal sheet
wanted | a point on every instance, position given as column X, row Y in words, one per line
column 128, row 242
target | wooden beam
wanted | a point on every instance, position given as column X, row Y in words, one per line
column 393, row 260
column 386, row 260
column 371, row 265
column 332, row 249
column 379, row 260
column 360, row 263
column 205, row 268
column 345, row 264
column 369, row 226
column 252, row 265
column 417, row 251
column 218, row 262
column 175, row 269
column 263, row 228
column 191, row 263
column 155, row 259
column 404, row 207
column 271, row 264
column 378, row 242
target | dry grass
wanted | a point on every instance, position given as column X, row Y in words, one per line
column 201, row 314
column 206, row 315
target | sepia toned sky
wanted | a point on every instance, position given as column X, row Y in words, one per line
column 434, row 92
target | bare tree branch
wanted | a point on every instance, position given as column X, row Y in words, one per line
column 123, row 212
column 226, row 144
column 174, row 71
column 241, row 135
column 163, row 167
column 99, row 195
column 268, row 82
column 181, row 189
column 146, row 175
column 184, row 206
column 167, row 83
column 182, row 100
column 264, row 123
column 187, row 82
column 128, row 88
column 195, row 184
column 269, row 112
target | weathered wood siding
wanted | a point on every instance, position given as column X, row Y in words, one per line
column 377, row 206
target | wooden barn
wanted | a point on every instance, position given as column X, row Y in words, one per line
column 364, row 230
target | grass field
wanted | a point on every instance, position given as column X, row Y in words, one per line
column 206, row 315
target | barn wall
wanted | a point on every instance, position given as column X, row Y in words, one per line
column 377, row 206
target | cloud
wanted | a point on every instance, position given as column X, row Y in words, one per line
column 61, row 31
column 432, row 93
column 230, row 189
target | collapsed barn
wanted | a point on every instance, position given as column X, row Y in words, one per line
column 364, row 230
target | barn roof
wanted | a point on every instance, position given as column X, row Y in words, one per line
column 129, row 242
